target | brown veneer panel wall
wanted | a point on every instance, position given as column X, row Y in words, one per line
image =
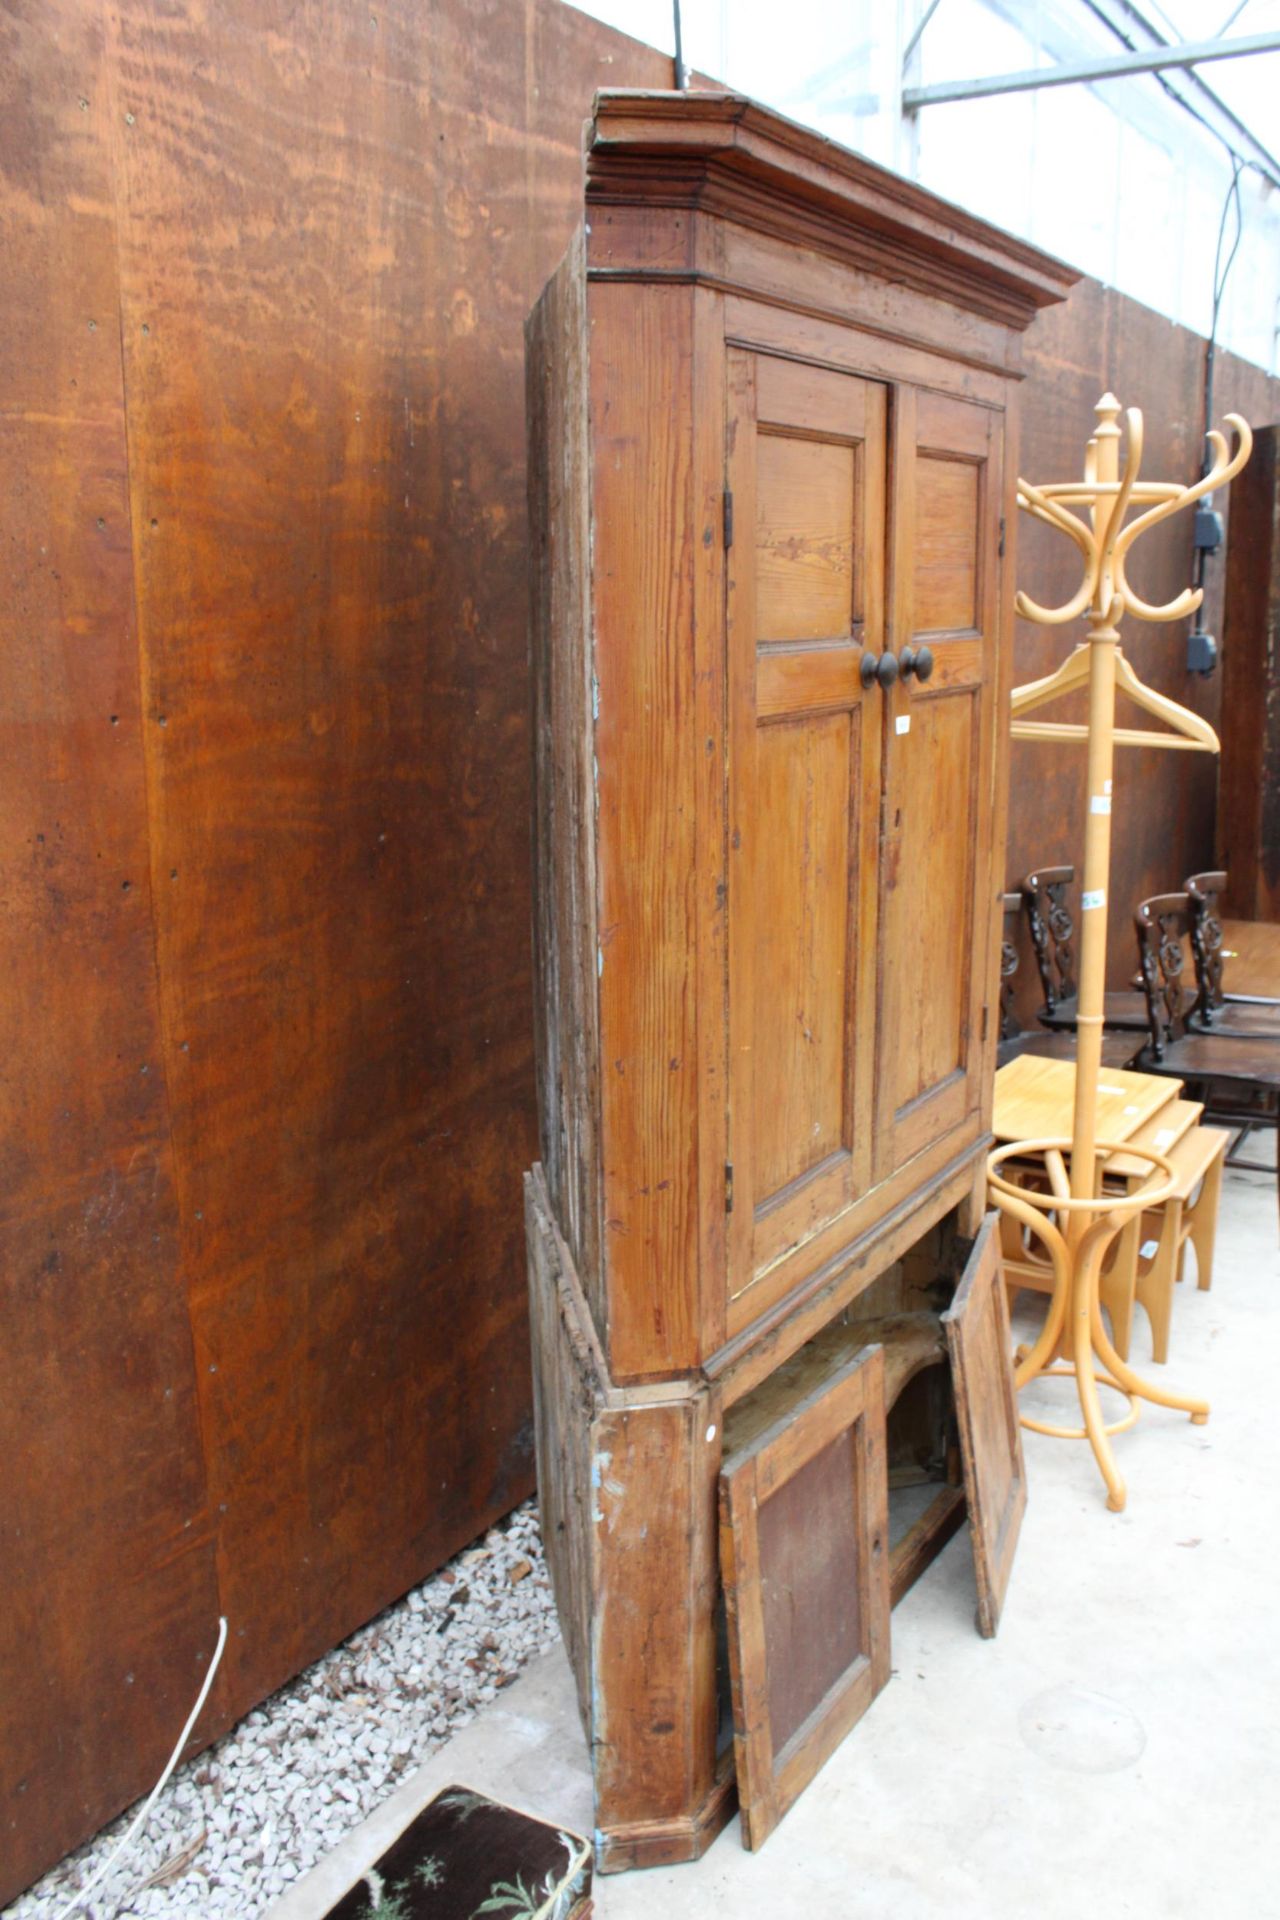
column 266, row 1086
column 1163, row 819
column 1249, row 792
column 266, row 1082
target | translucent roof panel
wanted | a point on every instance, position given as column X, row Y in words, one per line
column 1114, row 176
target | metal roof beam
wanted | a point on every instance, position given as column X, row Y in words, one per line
column 1262, row 158
column 1189, row 53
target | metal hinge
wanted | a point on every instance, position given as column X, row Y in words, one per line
column 728, row 1187
column 728, row 519
column 1002, row 539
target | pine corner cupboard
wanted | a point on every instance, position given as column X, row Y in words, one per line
column 772, row 408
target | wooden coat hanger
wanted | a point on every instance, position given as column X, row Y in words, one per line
column 1188, row 731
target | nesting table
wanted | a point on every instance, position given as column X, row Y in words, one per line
column 1034, row 1101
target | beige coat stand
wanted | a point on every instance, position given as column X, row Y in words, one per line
column 1090, row 1220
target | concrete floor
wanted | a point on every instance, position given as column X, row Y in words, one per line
column 1115, row 1751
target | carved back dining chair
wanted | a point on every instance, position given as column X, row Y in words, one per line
column 1046, row 899
column 1216, row 1010
column 1118, row 1049
column 1237, row 1076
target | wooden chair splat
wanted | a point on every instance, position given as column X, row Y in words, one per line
column 1118, row 1049
column 1046, row 901
column 1237, row 1076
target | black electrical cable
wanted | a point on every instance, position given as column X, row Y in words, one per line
column 1221, row 268
column 682, row 72
column 1134, row 46
column 1220, row 271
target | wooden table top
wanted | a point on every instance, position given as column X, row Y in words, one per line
column 1035, row 1099
column 1251, row 955
column 1163, row 1131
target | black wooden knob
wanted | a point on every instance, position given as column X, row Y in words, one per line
column 887, row 670
column 867, row 667
column 918, row 661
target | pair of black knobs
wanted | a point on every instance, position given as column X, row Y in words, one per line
column 886, row 668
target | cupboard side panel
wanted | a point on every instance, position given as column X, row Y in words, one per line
column 566, row 1401
column 641, row 410
column 653, row 1654
column 565, row 1005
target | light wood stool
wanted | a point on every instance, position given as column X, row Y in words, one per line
column 1186, row 1215
column 1126, row 1173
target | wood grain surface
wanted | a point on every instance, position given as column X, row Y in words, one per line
column 804, row 1557
column 995, row 1477
column 108, row 1593
column 265, row 1001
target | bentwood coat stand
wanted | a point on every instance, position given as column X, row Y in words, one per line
column 1090, row 1221
column 773, row 394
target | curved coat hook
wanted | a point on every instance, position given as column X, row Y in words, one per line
column 1106, row 544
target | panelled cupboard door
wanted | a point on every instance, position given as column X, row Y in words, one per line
column 977, row 1324
column 804, row 1528
column 806, row 473
column 945, row 502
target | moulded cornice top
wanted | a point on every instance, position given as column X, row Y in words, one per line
column 725, row 154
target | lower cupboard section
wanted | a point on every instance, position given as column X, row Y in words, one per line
column 633, row 1484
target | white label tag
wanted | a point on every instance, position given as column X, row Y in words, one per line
column 1090, row 900
column 1102, row 1089
column 1165, row 1138
column 903, row 723
column 1106, row 786
column 1149, row 1249
column 1133, row 1109
column 1100, row 803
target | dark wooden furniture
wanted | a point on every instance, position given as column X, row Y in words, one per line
column 1052, row 927
column 772, row 398
column 1252, row 950
column 1236, row 1076
column 1119, row 1049
column 1216, row 1010
column 1249, row 776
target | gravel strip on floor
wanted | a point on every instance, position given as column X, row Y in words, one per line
column 243, row 1820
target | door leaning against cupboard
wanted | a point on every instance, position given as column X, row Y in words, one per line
column 772, row 401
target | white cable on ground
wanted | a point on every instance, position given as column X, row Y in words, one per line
column 158, row 1788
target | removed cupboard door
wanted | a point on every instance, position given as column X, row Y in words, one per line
column 977, row 1325
column 804, row 1558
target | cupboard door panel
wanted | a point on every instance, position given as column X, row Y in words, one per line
column 938, row 773
column 946, row 560
column 800, row 1025
column 806, row 470
column 804, row 1516
column 804, row 538
column 927, row 931
column 995, row 1479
